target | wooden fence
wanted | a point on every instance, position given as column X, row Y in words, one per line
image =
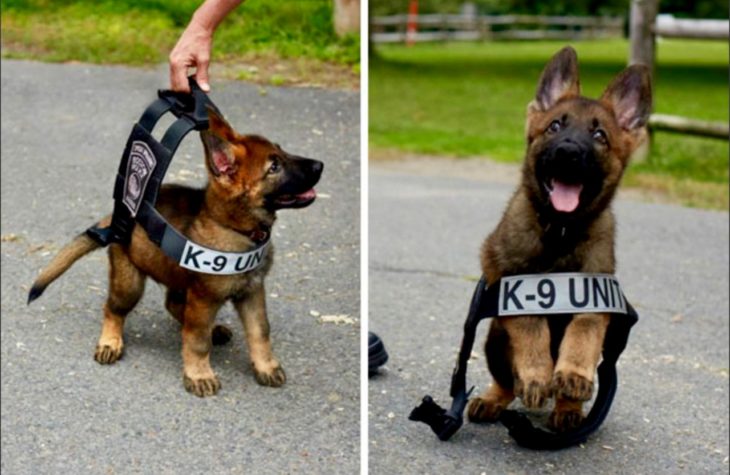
column 449, row 27
column 645, row 26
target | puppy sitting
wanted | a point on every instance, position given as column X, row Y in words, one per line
column 559, row 220
column 249, row 179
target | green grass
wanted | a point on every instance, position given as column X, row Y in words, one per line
column 143, row 32
column 468, row 99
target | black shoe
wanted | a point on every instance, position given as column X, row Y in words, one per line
column 377, row 356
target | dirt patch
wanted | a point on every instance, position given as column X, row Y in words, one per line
column 271, row 70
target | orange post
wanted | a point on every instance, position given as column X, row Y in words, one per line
column 412, row 25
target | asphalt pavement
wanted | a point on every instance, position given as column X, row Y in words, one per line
column 670, row 414
column 63, row 131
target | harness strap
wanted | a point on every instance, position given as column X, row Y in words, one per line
column 485, row 304
column 141, row 171
column 153, row 113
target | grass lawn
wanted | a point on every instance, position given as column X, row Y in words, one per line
column 143, row 32
column 469, row 99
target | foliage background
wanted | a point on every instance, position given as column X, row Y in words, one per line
column 680, row 8
column 143, row 32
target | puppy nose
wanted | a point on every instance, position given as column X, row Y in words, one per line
column 317, row 167
column 569, row 150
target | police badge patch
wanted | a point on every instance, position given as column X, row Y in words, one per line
column 140, row 165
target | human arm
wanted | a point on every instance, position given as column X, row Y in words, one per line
column 194, row 46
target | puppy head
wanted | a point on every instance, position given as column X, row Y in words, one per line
column 248, row 174
column 578, row 148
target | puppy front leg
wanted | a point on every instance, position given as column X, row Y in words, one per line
column 578, row 357
column 252, row 312
column 198, row 376
column 532, row 363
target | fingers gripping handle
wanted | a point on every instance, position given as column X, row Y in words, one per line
column 193, row 106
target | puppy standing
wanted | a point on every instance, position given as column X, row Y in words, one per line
column 559, row 220
column 249, row 179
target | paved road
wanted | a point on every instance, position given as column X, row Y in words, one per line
column 63, row 131
column 670, row 414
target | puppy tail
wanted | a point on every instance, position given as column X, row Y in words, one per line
column 72, row 252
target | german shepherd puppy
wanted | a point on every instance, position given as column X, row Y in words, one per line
column 560, row 220
column 249, row 179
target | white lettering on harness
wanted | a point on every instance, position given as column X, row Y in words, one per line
column 537, row 294
column 210, row 261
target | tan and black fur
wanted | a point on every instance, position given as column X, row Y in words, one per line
column 573, row 143
column 249, row 179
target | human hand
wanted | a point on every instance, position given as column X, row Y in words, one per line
column 192, row 50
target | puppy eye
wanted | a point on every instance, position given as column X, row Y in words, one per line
column 555, row 126
column 275, row 166
column 600, row 136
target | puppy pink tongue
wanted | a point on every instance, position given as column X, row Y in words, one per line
column 309, row 194
column 565, row 197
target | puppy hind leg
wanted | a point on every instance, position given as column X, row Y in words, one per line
column 126, row 286
column 489, row 405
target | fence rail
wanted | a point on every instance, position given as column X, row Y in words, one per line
column 450, row 27
column 683, row 125
column 645, row 26
column 670, row 27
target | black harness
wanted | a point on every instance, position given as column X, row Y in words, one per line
column 486, row 304
column 142, row 168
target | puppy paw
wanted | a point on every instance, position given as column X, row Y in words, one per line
column 533, row 394
column 572, row 386
column 221, row 335
column 562, row 420
column 202, row 387
column 484, row 410
column 273, row 377
column 109, row 353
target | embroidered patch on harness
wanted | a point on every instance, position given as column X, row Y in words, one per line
column 140, row 164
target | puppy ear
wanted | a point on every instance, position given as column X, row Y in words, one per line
column 218, row 125
column 559, row 80
column 629, row 97
column 217, row 141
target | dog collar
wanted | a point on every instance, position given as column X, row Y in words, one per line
column 144, row 163
column 538, row 294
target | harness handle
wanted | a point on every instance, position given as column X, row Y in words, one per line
column 193, row 106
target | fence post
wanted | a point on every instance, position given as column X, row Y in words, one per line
column 643, row 48
column 641, row 32
column 412, row 23
column 346, row 16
